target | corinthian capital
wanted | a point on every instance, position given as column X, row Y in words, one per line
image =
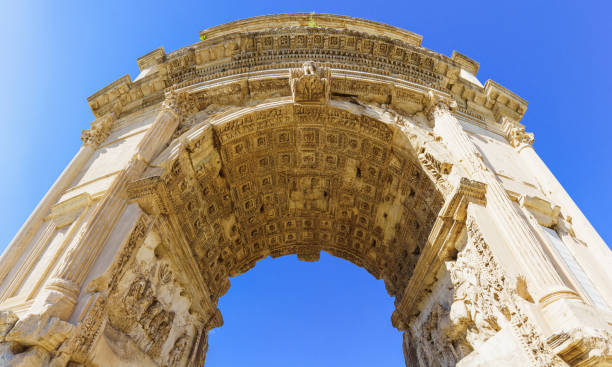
column 436, row 104
column 99, row 131
column 517, row 137
column 182, row 104
column 515, row 133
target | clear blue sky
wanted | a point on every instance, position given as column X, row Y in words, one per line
column 554, row 54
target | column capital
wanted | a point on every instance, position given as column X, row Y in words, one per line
column 180, row 103
column 436, row 104
column 99, row 131
column 516, row 134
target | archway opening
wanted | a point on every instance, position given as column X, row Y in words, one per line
column 287, row 179
column 288, row 312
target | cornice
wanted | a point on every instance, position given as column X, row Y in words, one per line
column 317, row 20
column 283, row 42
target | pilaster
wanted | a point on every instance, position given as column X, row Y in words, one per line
column 63, row 289
column 543, row 280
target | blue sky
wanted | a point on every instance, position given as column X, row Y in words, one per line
column 556, row 55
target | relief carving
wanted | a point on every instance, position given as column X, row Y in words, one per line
column 297, row 178
column 472, row 320
column 310, row 84
column 438, row 170
column 433, row 345
column 182, row 104
column 502, row 302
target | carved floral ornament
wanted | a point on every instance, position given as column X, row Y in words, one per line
column 517, row 137
column 436, row 103
column 516, row 134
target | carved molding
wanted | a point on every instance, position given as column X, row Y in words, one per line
column 180, row 103
column 437, row 169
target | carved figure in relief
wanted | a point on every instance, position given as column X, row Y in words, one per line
column 433, row 345
column 467, row 316
column 178, row 350
column 308, row 67
column 310, row 84
column 141, row 304
column 137, row 296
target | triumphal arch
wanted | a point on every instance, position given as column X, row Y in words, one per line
column 291, row 135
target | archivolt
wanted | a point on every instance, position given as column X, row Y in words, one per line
column 285, row 178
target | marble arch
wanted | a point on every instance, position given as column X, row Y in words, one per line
column 275, row 136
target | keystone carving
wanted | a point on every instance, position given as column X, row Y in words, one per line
column 310, row 84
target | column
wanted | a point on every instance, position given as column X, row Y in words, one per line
column 61, row 293
column 523, row 241
column 91, row 139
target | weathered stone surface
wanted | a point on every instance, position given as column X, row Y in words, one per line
column 291, row 135
column 43, row 330
column 501, row 350
column 7, row 321
column 32, row 357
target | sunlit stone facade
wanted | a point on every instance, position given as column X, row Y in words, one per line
column 296, row 134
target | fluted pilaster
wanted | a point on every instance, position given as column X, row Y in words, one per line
column 523, row 241
column 86, row 249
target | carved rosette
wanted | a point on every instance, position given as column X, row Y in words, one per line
column 99, row 131
column 310, row 84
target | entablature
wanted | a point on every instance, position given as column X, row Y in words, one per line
column 281, row 43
